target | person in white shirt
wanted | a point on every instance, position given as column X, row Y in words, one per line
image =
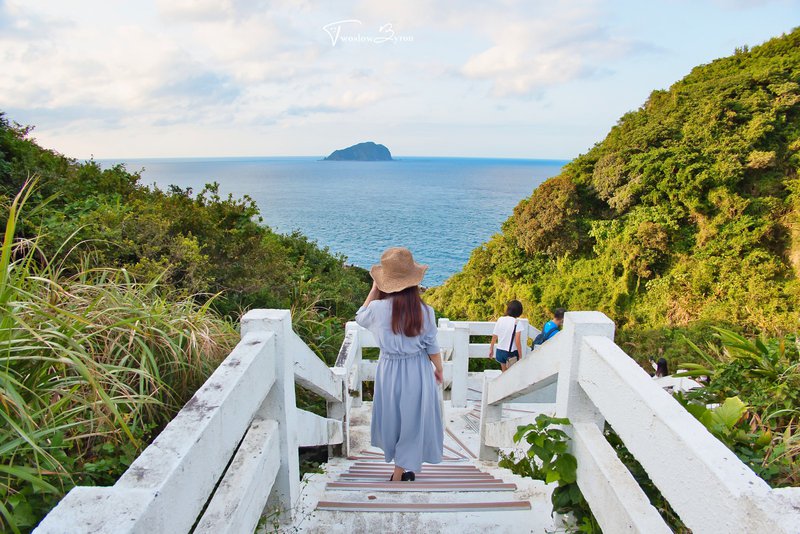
column 506, row 335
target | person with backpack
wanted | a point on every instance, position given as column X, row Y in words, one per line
column 551, row 327
column 506, row 334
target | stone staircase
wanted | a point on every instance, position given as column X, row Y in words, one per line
column 461, row 495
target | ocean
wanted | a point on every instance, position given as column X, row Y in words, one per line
column 440, row 208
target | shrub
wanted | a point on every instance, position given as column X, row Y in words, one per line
column 92, row 363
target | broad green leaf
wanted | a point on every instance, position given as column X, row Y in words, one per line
column 567, row 466
column 552, row 476
column 729, row 413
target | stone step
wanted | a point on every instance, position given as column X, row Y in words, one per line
column 440, row 480
column 458, row 495
column 360, row 506
column 386, row 468
column 389, row 469
column 425, row 467
column 424, row 472
column 379, row 458
column 422, row 486
column 345, row 477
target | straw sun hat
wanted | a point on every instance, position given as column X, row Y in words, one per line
column 397, row 270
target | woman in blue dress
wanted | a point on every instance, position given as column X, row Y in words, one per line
column 406, row 413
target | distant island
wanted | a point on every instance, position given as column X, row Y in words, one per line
column 368, row 151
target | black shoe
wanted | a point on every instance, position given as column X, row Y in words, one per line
column 408, row 476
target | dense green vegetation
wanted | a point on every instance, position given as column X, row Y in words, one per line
column 756, row 384
column 684, row 216
column 195, row 243
column 92, row 363
column 683, row 226
column 117, row 301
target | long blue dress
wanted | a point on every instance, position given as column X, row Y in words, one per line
column 406, row 414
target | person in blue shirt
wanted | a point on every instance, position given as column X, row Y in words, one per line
column 551, row 327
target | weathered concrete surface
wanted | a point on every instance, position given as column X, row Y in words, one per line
column 462, row 438
column 683, row 459
column 167, row 486
column 460, row 358
column 489, row 414
column 280, row 405
column 313, row 430
column 618, row 502
column 311, row 372
column 536, row 371
column 239, row 500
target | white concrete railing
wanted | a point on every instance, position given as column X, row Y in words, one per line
column 595, row 381
column 230, row 454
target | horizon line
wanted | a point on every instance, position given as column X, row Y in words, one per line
column 321, row 158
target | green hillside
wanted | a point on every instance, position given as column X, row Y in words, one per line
column 685, row 215
column 117, row 301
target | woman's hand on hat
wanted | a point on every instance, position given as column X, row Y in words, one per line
column 374, row 294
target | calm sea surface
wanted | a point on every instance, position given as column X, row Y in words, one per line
column 440, row 208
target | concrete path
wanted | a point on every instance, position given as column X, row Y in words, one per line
column 461, row 495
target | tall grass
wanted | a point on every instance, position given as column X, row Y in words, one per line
column 91, row 365
column 764, row 374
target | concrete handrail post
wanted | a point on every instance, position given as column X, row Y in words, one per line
column 280, row 405
column 458, row 388
column 358, row 384
column 351, row 381
column 571, row 401
column 340, row 411
column 489, row 414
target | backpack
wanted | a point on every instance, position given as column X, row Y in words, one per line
column 546, row 334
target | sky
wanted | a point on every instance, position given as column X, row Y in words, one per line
column 489, row 78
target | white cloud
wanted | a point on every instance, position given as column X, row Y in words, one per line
column 274, row 60
column 195, row 10
column 343, row 102
column 533, row 50
column 519, row 46
column 97, row 75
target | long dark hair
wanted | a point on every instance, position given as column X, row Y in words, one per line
column 406, row 311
